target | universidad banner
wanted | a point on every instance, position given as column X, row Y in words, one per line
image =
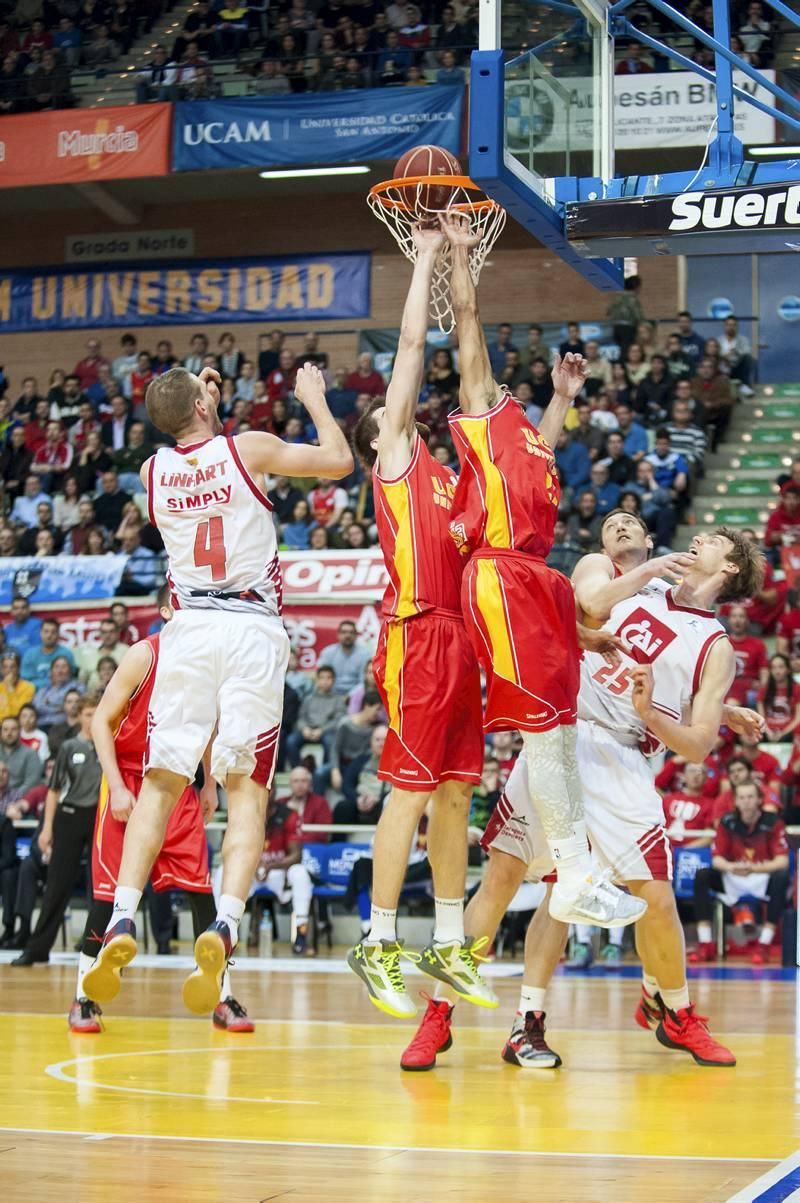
column 77, row 146
column 60, row 578
column 229, row 290
column 334, row 127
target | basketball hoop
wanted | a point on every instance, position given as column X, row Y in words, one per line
column 401, row 204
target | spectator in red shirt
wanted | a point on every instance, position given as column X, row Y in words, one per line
column 788, row 641
column 327, row 501
column 750, row 858
column 140, row 377
column 365, row 379
column 765, row 768
column 280, row 382
column 689, row 809
column 36, row 429
column 779, row 702
column 739, row 771
column 751, row 659
column 86, row 423
column 281, row 871
column 88, row 369
column 308, row 806
column 53, row 460
column 671, row 778
column 37, row 38
column 783, row 524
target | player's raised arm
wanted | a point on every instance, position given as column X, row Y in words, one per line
column 402, row 394
column 568, row 376
column 597, row 590
column 112, row 706
column 264, row 453
column 479, row 392
column 695, row 739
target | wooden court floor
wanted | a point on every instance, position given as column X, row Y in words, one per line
column 313, row 1106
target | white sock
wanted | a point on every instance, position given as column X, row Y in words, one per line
column 383, row 923
column 449, row 927
column 650, row 984
column 572, row 858
column 85, row 963
column 676, row 1000
column 583, row 933
column 531, row 998
column 616, row 935
column 126, row 903
column 767, row 935
column 704, row 933
column 230, row 911
column 225, row 990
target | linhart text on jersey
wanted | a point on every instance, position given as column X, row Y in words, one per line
column 192, row 480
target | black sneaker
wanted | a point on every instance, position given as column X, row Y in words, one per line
column 526, row 1046
column 300, row 945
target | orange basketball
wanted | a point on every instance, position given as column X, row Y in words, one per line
column 427, row 199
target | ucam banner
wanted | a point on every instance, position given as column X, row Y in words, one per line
column 77, row 146
column 230, row 290
column 332, row 127
column 60, row 578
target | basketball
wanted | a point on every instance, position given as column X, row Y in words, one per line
column 425, row 199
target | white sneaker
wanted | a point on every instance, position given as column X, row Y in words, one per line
column 377, row 963
column 599, row 903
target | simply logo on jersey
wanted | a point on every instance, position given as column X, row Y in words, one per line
column 646, row 636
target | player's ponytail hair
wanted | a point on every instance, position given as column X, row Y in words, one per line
column 170, row 400
column 751, row 564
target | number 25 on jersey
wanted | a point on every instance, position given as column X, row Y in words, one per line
column 209, row 548
column 616, row 680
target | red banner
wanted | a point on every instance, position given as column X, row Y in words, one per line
column 310, row 627
column 334, row 575
column 77, row 146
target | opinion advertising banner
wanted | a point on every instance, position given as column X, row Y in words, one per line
column 60, row 578
column 674, row 108
column 334, row 127
column 230, row 290
column 333, row 576
column 77, row 146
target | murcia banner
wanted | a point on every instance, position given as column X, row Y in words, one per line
column 77, row 146
column 338, row 127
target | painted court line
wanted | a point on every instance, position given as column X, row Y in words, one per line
column 776, row 1186
column 367, row 1148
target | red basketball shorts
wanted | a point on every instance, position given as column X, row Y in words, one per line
column 182, row 863
column 429, row 681
column 520, row 616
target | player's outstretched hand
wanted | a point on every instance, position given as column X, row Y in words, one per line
column 744, row 722
column 212, row 380
column 122, row 803
column 675, row 564
column 642, row 677
column 309, row 387
column 603, row 643
column 428, row 239
column 458, row 229
column 569, row 375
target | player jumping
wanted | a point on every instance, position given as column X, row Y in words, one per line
column 519, row 613
column 223, row 657
column 119, row 730
column 427, row 674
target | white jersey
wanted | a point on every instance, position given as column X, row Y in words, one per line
column 674, row 639
column 217, row 528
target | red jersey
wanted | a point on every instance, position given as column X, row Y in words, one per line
column 315, row 810
column 782, row 526
column 780, row 711
column 789, row 628
column 508, row 491
column 412, row 514
column 132, row 735
column 686, row 813
column 765, row 840
column 751, row 657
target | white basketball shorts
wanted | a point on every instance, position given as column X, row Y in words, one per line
column 624, row 814
column 217, row 668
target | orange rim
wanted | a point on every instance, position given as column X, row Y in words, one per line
column 443, row 181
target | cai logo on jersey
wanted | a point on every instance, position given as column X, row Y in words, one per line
column 645, row 635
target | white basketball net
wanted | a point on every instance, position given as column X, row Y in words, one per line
column 399, row 206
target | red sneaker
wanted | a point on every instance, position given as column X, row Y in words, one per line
column 84, row 1017
column 433, row 1036
column 701, row 953
column 232, row 1017
column 650, row 1011
column 761, row 954
column 688, row 1031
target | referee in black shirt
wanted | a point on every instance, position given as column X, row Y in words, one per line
column 67, row 828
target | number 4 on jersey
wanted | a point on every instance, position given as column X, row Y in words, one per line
column 209, row 548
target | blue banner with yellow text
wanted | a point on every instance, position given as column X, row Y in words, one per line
column 230, row 290
column 329, row 127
